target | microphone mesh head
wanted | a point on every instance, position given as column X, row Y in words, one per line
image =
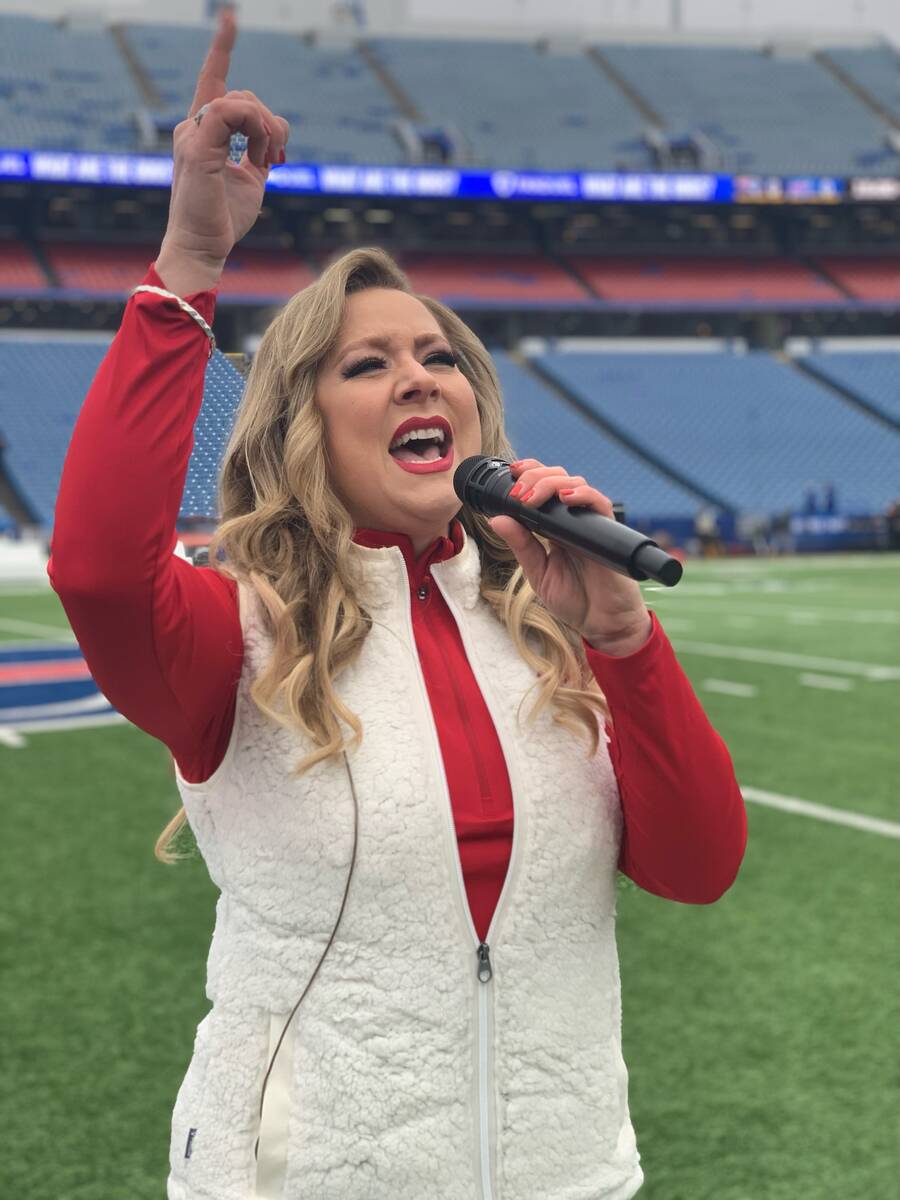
column 464, row 472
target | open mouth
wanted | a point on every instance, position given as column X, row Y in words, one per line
column 423, row 450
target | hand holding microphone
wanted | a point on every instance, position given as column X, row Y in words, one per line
column 588, row 578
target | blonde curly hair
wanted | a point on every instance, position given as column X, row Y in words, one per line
column 284, row 531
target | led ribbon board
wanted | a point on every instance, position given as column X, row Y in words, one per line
column 445, row 183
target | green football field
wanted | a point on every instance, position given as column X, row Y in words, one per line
column 761, row 1033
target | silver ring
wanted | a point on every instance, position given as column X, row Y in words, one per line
column 198, row 115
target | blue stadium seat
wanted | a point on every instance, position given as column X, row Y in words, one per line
column 518, row 107
column 337, row 109
column 747, row 427
column 873, row 375
column 781, row 115
column 876, row 68
column 538, row 423
column 64, row 89
column 42, row 388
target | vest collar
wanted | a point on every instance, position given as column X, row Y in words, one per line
column 387, row 564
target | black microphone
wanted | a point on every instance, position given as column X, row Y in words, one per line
column 485, row 483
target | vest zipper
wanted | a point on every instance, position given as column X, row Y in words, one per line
column 483, row 994
column 485, row 975
column 485, row 972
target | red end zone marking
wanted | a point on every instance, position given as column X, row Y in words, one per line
column 39, row 672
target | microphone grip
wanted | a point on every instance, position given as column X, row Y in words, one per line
column 625, row 550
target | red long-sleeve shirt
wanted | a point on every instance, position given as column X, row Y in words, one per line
column 163, row 639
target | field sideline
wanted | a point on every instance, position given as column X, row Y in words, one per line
column 761, row 1033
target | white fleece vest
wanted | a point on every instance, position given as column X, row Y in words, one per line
column 402, row 1076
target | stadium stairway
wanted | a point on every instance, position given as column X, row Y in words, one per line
column 866, row 380
column 745, row 428
column 612, row 431
column 541, row 413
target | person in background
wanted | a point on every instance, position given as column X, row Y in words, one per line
column 706, row 527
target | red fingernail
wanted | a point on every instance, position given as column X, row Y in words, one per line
column 281, row 157
column 527, row 495
column 567, row 491
column 515, row 491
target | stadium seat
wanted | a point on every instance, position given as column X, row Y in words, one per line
column 337, row 109
column 518, row 107
column 20, row 273
column 875, row 68
column 872, row 375
column 47, row 103
column 535, row 417
column 874, row 279
column 786, row 116
column 112, row 271
column 43, row 384
column 747, row 427
column 493, row 279
column 705, row 282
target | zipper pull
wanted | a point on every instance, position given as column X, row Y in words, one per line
column 484, row 963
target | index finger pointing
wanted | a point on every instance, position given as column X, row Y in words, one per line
column 211, row 80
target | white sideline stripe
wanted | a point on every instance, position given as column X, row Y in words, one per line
column 87, row 722
column 828, row 682
column 746, row 690
column 781, row 658
column 31, row 644
column 71, row 708
column 821, row 812
column 42, row 631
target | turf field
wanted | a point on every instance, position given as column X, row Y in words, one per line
column 761, row 1033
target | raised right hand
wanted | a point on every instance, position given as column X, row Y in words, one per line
column 214, row 201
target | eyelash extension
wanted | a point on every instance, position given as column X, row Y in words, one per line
column 443, row 356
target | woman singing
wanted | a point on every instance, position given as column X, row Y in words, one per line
column 415, row 746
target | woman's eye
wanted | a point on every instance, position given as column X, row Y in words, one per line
column 442, row 356
column 445, row 357
column 364, row 364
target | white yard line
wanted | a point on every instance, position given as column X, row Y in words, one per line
column 781, row 658
column 778, row 562
column 747, row 691
column 56, row 632
column 827, row 682
column 865, row 616
column 821, row 812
